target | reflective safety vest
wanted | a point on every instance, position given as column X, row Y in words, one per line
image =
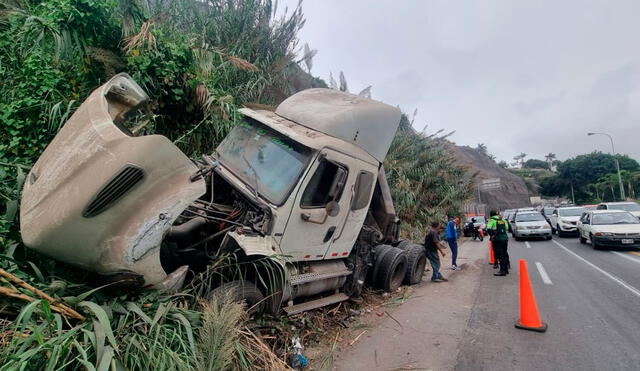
column 500, row 227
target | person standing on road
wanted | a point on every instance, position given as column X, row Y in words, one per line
column 498, row 231
column 432, row 246
column 452, row 240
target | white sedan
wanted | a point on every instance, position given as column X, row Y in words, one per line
column 530, row 224
column 609, row 228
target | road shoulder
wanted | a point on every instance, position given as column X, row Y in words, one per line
column 425, row 331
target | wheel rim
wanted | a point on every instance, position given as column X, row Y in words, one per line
column 398, row 275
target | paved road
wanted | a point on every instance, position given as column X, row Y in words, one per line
column 590, row 300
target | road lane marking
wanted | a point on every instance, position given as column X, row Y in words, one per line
column 633, row 290
column 543, row 274
column 627, row 256
column 528, row 244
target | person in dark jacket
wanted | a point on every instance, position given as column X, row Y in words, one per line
column 498, row 230
column 432, row 247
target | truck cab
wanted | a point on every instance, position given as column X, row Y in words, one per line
column 298, row 194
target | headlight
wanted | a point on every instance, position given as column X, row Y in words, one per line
column 519, row 227
column 603, row 234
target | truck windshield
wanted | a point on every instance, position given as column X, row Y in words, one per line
column 267, row 161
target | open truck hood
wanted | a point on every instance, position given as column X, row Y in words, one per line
column 101, row 199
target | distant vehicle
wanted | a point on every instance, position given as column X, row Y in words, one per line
column 546, row 212
column 472, row 228
column 609, row 228
column 563, row 220
column 630, row 206
column 530, row 224
column 507, row 213
column 480, row 222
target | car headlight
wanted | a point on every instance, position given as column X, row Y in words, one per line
column 603, row 234
column 520, row 227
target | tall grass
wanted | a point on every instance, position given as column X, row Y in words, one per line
column 426, row 183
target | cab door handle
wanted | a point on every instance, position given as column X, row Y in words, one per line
column 329, row 234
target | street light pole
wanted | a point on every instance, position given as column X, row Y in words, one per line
column 613, row 152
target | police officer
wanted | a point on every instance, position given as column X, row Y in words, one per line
column 498, row 229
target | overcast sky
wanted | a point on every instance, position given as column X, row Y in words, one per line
column 519, row 76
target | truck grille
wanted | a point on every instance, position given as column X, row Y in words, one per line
column 115, row 189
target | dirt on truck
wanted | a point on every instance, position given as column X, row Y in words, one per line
column 298, row 197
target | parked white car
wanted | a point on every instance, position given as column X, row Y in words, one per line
column 630, row 206
column 530, row 224
column 564, row 219
column 609, row 228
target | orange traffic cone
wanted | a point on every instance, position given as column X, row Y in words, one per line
column 529, row 315
column 491, row 254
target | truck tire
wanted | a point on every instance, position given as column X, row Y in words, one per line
column 403, row 244
column 242, row 291
column 416, row 261
column 391, row 269
column 379, row 252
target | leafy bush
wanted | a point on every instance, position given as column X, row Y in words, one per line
column 426, row 184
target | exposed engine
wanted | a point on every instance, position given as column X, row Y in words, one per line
column 196, row 237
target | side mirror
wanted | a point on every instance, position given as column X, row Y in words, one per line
column 333, row 208
column 338, row 183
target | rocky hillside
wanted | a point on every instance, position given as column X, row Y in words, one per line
column 513, row 191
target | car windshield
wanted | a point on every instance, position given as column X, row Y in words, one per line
column 268, row 162
column 548, row 210
column 631, row 206
column 614, row 218
column 530, row 217
column 480, row 219
column 571, row 212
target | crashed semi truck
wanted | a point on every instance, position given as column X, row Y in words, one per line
column 298, row 195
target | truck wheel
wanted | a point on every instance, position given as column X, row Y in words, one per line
column 416, row 261
column 242, row 291
column 379, row 252
column 404, row 244
column 391, row 269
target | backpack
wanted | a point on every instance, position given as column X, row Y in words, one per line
column 501, row 230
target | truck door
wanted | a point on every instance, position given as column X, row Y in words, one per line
column 320, row 208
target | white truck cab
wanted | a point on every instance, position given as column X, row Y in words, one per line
column 298, row 196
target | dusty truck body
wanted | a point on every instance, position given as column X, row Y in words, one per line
column 300, row 190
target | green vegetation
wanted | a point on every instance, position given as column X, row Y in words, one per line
column 425, row 182
column 198, row 62
column 535, row 164
column 593, row 178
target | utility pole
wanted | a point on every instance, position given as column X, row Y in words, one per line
column 573, row 197
column 615, row 159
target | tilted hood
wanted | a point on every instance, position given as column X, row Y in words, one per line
column 101, row 199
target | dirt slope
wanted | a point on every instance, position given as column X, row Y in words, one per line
column 513, row 192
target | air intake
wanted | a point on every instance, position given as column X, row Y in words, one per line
column 115, row 189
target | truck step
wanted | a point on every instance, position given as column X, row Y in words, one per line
column 311, row 277
column 313, row 304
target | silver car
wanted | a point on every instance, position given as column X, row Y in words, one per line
column 530, row 224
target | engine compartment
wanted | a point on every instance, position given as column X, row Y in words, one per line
column 196, row 238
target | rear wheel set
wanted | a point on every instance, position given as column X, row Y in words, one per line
column 399, row 265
